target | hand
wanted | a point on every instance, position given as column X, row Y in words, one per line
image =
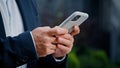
column 44, row 39
column 65, row 43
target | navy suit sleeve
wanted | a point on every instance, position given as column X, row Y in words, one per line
column 15, row 51
column 47, row 62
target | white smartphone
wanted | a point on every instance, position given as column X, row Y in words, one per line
column 75, row 18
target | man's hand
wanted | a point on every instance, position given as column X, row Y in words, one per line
column 44, row 38
column 65, row 43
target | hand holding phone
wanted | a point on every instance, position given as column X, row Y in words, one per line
column 75, row 18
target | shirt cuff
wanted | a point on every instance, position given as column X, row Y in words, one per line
column 59, row 60
column 33, row 42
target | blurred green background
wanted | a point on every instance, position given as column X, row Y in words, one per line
column 98, row 44
column 90, row 58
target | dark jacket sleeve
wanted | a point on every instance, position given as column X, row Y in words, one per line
column 48, row 62
column 15, row 51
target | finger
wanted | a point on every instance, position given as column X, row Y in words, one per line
column 65, row 42
column 76, row 30
column 48, row 39
column 64, row 49
column 50, row 52
column 51, row 46
column 57, row 31
column 52, row 40
column 67, row 36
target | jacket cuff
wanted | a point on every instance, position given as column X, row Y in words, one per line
column 25, row 48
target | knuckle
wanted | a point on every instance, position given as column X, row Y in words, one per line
column 46, row 45
column 56, row 27
column 57, row 31
column 48, row 27
column 73, row 40
column 69, row 36
column 45, row 38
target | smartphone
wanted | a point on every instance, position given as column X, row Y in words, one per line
column 75, row 18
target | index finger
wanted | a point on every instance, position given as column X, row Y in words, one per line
column 57, row 31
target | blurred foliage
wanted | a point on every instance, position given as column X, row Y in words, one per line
column 89, row 58
column 73, row 61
